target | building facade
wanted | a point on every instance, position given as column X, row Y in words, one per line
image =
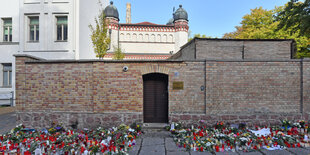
column 50, row 29
column 146, row 40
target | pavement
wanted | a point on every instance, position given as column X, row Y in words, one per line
column 7, row 122
column 159, row 142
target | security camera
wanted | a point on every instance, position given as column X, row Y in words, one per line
column 125, row 68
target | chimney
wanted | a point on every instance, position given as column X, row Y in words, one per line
column 128, row 13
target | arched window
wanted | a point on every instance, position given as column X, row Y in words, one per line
column 170, row 39
column 140, row 38
column 146, row 38
column 152, row 38
column 128, row 37
column 164, row 38
column 121, row 37
column 134, row 37
column 158, row 39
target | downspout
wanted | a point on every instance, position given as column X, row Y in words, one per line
column 242, row 51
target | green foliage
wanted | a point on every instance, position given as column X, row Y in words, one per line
column 262, row 24
column 296, row 14
column 118, row 54
column 99, row 36
column 199, row 36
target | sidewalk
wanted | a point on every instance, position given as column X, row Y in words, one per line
column 160, row 143
column 6, row 110
column 7, row 122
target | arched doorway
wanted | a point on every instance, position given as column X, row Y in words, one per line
column 155, row 98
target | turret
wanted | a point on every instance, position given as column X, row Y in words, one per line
column 111, row 14
column 180, row 18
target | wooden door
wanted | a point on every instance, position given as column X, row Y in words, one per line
column 155, row 98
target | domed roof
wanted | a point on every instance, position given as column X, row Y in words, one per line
column 180, row 14
column 170, row 22
column 111, row 11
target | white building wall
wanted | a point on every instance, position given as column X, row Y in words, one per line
column 144, row 42
column 147, row 42
column 181, row 38
column 80, row 14
column 9, row 9
column 47, row 47
column 89, row 9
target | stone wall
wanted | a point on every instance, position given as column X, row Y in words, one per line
column 94, row 93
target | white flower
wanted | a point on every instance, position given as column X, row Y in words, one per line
column 243, row 139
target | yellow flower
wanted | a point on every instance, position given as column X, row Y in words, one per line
column 138, row 125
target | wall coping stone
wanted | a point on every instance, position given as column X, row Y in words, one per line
column 28, row 56
column 160, row 61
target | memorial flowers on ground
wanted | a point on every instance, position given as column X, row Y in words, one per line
column 224, row 137
column 23, row 140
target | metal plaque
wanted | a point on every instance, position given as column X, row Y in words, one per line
column 178, row 85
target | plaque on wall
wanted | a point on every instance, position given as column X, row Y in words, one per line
column 178, row 85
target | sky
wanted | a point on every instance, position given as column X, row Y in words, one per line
column 210, row 17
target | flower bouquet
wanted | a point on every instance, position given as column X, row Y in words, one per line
column 57, row 140
column 219, row 139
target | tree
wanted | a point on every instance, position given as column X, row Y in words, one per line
column 262, row 24
column 118, row 54
column 199, row 36
column 296, row 14
column 99, row 36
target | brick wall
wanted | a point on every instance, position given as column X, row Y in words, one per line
column 191, row 99
column 235, row 49
column 267, row 50
column 253, row 87
column 306, row 87
column 187, row 52
column 100, row 93
column 217, row 49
